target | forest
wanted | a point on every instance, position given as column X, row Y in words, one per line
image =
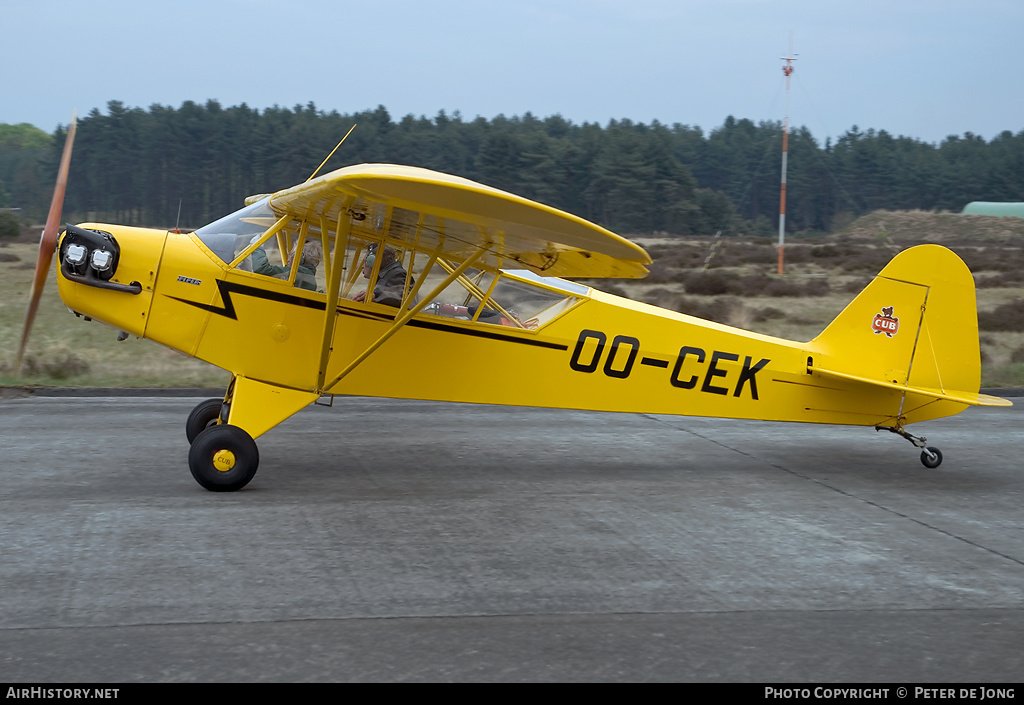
column 186, row 166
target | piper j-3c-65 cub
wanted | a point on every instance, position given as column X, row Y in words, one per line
column 464, row 282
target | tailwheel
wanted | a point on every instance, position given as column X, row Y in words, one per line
column 931, row 457
column 205, row 414
column 223, row 458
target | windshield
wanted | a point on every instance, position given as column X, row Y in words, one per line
column 231, row 234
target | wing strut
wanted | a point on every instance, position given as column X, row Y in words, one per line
column 474, row 290
column 401, row 320
column 333, row 290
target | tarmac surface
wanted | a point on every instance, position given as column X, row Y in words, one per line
column 416, row 541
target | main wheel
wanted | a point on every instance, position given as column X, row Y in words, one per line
column 931, row 457
column 205, row 414
column 223, row 458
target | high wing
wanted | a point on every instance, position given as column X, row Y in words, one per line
column 455, row 217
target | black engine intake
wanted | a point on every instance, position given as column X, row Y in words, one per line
column 90, row 257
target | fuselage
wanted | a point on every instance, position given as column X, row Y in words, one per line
column 586, row 350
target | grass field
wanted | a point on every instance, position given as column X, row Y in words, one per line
column 739, row 288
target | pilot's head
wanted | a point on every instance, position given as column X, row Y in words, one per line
column 387, row 257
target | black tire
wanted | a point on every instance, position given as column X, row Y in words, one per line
column 931, row 461
column 223, row 458
column 205, row 414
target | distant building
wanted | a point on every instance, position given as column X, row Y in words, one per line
column 1014, row 210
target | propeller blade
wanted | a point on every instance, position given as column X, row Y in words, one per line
column 48, row 241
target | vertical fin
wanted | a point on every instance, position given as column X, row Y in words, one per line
column 915, row 324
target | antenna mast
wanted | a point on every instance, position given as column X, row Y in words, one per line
column 787, row 69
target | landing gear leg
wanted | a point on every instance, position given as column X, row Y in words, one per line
column 931, row 457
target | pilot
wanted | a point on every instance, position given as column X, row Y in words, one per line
column 305, row 275
column 390, row 286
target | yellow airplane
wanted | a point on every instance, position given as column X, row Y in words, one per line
column 469, row 304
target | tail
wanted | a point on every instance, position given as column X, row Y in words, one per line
column 914, row 328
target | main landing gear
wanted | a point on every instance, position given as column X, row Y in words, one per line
column 931, row 457
column 222, row 458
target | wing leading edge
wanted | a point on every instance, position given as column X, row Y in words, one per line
column 431, row 210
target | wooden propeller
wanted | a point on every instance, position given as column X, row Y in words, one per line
column 47, row 242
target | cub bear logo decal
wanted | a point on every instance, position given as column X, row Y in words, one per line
column 885, row 322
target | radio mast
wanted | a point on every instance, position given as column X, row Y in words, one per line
column 787, row 69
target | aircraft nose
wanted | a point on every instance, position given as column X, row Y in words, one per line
column 108, row 272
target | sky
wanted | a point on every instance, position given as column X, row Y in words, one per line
column 925, row 69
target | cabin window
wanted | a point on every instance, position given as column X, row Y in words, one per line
column 381, row 248
column 517, row 299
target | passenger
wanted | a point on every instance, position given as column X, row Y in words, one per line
column 305, row 275
column 390, row 286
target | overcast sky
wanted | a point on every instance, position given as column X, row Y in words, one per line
column 921, row 68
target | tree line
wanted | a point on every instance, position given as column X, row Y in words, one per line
column 187, row 166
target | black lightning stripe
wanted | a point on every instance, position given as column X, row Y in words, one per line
column 227, row 310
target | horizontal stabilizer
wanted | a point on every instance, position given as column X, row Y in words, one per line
column 970, row 398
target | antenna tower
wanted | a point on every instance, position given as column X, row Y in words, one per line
column 787, row 69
